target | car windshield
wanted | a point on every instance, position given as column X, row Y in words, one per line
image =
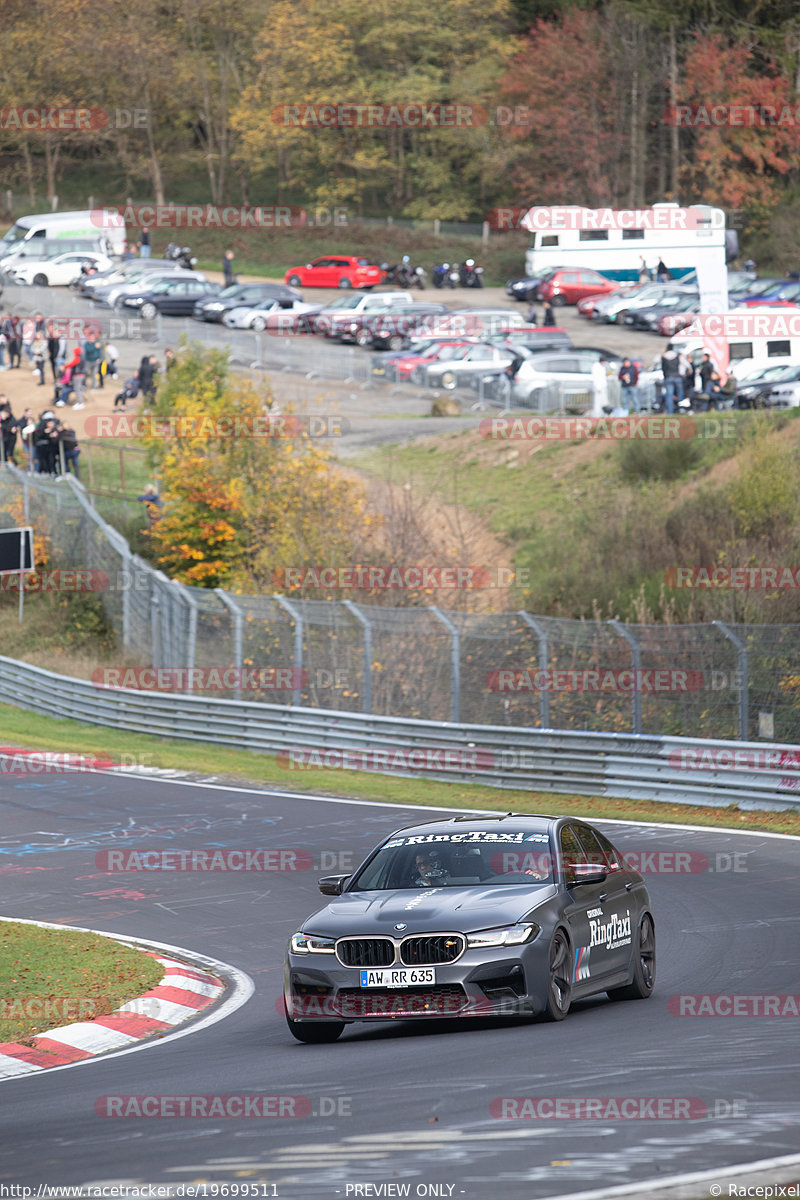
column 462, row 859
column 345, row 302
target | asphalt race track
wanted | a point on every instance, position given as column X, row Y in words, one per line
column 394, row 1103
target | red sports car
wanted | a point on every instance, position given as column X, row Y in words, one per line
column 339, row 271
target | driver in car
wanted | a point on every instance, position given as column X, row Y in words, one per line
column 428, row 871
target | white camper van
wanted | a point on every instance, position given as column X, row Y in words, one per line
column 90, row 224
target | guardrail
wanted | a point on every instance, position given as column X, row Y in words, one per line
column 671, row 770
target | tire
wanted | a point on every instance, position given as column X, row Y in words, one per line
column 416, row 377
column 294, row 281
column 345, row 283
column 644, row 965
column 40, row 281
column 395, row 342
column 148, row 311
column 363, row 338
column 558, row 302
column 315, row 1033
column 448, row 380
column 559, row 978
column 259, row 324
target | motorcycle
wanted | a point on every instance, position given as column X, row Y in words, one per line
column 469, row 275
column 404, row 275
column 182, row 255
column 440, row 273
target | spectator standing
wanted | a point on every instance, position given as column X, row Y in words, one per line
column 644, row 271
column 533, row 313
column 662, row 274
column 628, row 376
column 148, row 369
column 8, row 430
column 144, row 250
column 673, row 379
column 56, row 349
column 46, row 443
column 110, row 357
column 70, row 448
column 92, row 357
column 227, row 268
column 27, row 428
column 13, row 341
column 169, row 359
column 39, row 349
column 707, row 369
column 152, row 502
column 549, row 318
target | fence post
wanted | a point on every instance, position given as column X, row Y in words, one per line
column 155, row 626
column 236, row 611
column 636, row 664
column 485, row 234
column 744, row 681
column 298, row 643
column 544, row 659
column 455, row 664
column 366, row 625
column 191, row 650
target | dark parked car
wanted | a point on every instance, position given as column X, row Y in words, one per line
column 386, row 330
column 237, row 295
column 472, row 916
column 171, row 297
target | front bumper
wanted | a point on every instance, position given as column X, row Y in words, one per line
column 481, row 983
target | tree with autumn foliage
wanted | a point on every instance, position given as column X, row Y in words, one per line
column 240, row 506
column 736, row 166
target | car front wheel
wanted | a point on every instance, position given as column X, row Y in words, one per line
column 40, row 280
column 294, row 281
column 344, row 282
column 644, row 965
column 148, row 311
column 559, row 978
column 259, row 324
column 448, row 380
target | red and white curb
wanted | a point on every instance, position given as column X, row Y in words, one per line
column 182, row 993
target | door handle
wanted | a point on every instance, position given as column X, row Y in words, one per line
column 603, row 896
column 628, row 886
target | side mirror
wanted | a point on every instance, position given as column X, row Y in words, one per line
column 588, row 873
column 333, row 885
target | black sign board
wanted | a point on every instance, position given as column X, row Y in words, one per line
column 16, row 549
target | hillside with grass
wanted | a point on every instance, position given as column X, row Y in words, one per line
column 594, row 527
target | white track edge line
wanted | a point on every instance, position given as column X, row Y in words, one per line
column 672, row 1188
column 240, row 983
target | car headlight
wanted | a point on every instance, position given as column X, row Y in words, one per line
column 134, row 300
column 213, row 307
column 307, row 943
column 507, row 935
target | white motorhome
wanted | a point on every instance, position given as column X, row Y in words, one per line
column 104, row 224
column 615, row 241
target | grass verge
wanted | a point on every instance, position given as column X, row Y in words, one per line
column 52, row 977
column 24, row 729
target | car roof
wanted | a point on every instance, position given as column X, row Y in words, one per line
column 532, row 823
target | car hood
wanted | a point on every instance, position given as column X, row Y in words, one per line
column 421, row 910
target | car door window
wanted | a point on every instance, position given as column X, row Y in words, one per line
column 570, row 277
column 614, row 859
column 572, row 853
